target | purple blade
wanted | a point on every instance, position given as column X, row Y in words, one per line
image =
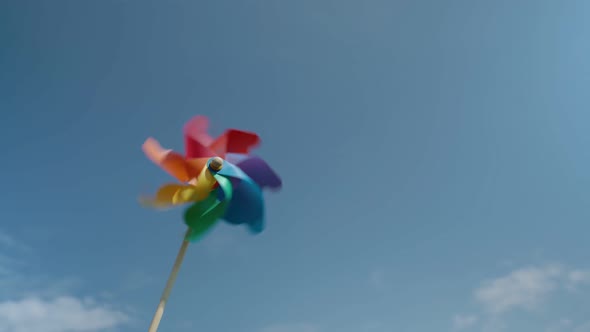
column 259, row 171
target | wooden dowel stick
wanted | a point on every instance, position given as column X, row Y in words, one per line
column 169, row 284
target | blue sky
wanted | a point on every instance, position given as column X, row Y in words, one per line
column 434, row 156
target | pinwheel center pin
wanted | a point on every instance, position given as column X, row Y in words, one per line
column 216, row 164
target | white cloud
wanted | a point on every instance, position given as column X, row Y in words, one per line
column 38, row 302
column 523, row 288
column 577, row 277
column 16, row 283
column 461, row 322
column 300, row 327
column 9, row 242
column 528, row 289
column 9, row 263
column 62, row 314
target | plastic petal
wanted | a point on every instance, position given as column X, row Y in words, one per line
column 205, row 181
column 226, row 186
column 247, row 204
column 259, row 171
column 234, row 141
column 201, row 216
column 236, row 158
column 174, row 194
column 232, row 171
column 247, row 207
column 166, row 196
column 168, row 160
column 196, row 138
column 197, row 128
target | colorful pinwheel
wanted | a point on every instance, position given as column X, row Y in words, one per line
column 218, row 178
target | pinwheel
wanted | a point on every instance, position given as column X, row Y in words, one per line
column 217, row 178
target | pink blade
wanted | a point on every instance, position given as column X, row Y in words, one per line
column 196, row 138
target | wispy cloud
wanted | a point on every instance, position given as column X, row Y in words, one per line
column 11, row 252
column 11, row 262
column 523, row 288
column 6, row 240
column 576, row 278
column 40, row 303
column 527, row 289
column 9, row 242
column 61, row 314
column 296, row 327
column 461, row 322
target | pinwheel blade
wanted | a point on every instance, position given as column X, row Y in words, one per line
column 201, row 216
column 246, row 207
column 197, row 129
column 235, row 141
column 173, row 194
column 196, row 138
column 259, row 171
column 168, row 160
column 247, row 204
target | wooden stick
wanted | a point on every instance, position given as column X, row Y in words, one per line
column 171, row 279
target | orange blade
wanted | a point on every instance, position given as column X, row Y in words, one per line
column 168, row 160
